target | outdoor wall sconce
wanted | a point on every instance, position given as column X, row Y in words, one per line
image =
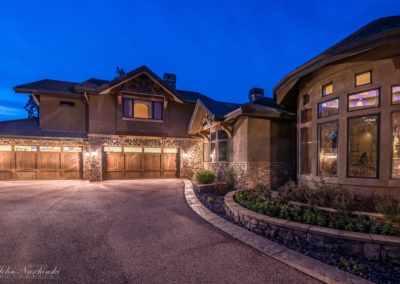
column 185, row 155
column 95, row 154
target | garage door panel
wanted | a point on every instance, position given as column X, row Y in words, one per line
column 25, row 160
column 169, row 161
column 6, row 175
column 133, row 174
column 133, row 161
column 49, row 175
column 152, row 162
column 71, row 161
column 49, row 161
column 114, row 161
column 6, row 161
column 71, row 175
column 114, row 175
column 25, row 175
column 151, row 174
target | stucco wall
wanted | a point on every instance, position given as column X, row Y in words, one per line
column 54, row 117
column 385, row 66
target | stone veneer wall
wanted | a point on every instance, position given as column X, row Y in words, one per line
column 249, row 174
column 191, row 163
column 372, row 246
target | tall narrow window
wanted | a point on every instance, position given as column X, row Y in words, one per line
column 306, row 99
column 157, row 110
column 328, row 148
column 222, row 145
column 396, row 145
column 127, row 107
column 306, row 115
column 327, row 89
column 363, row 145
column 306, row 147
column 213, row 146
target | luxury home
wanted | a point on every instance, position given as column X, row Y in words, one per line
column 335, row 118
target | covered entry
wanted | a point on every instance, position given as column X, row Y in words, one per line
column 123, row 162
column 22, row 162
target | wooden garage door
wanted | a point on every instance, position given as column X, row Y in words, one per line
column 23, row 162
column 137, row 162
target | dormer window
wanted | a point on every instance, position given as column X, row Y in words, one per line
column 142, row 109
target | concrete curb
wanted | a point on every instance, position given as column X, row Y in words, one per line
column 305, row 264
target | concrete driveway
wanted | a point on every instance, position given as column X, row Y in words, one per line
column 122, row 232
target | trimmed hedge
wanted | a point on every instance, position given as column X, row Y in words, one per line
column 205, row 177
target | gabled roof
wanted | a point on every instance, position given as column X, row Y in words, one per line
column 90, row 85
column 30, row 128
column 376, row 34
column 48, row 86
column 191, row 97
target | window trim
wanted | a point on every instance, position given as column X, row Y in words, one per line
column 378, row 115
column 322, row 89
column 391, row 95
column 336, row 98
column 391, row 145
column 379, row 99
column 319, row 147
column 216, row 146
column 62, row 103
column 301, row 115
column 301, row 154
column 133, row 118
column 309, row 99
column 355, row 78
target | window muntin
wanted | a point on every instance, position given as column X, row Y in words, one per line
column 112, row 149
column 396, row 144
column 396, row 94
column 142, row 109
column 363, row 100
column 328, row 108
column 306, row 115
column 306, row 148
column 363, row 145
column 5, row 148
column 363, row 78
column 328, row 148
column 327, row 89
column 49, row 149
column 25, row 148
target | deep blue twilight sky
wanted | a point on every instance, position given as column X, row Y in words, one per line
column 221, row 48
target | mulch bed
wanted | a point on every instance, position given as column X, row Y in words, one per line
column 371, row 270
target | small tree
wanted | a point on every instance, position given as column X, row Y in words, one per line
column 31, row 108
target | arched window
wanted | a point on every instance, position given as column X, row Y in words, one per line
column 142, row 109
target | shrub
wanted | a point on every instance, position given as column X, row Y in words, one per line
column 230, row 176
column 205, row 177
column 389, row 207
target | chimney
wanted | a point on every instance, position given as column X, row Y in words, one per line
column 170, row 80
column 256, row 94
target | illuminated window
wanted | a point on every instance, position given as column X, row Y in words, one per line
column 363, row 78
column 133, row 149
column 170, row 150
column 306, row 115
column 143, row 109
column 72, row 149
column 49, row 149
column 219, row 146
column 328, row 108
column 152, row 150
column 306, row 147
column 5, row 148
column 26, row 148
column 362, row 155
column 396, row 94
column 327, row 89
column 112, row 149
column 328, row 148
column 363, row 100
column 396, row 145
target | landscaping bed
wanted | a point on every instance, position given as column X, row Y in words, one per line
column 368, row 269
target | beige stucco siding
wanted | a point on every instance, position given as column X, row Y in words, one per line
column 102, row 114
column 239, row 141
column 54, row 117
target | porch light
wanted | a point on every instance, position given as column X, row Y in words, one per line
column 185, row 155
column 87, row 154
column 95, row 154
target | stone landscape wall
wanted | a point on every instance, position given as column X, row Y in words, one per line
column 372, row 246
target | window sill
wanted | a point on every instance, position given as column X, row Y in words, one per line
column 143, row 120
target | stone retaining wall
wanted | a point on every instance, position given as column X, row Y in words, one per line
column 371, row 246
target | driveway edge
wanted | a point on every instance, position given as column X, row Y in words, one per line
column 305, row 264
